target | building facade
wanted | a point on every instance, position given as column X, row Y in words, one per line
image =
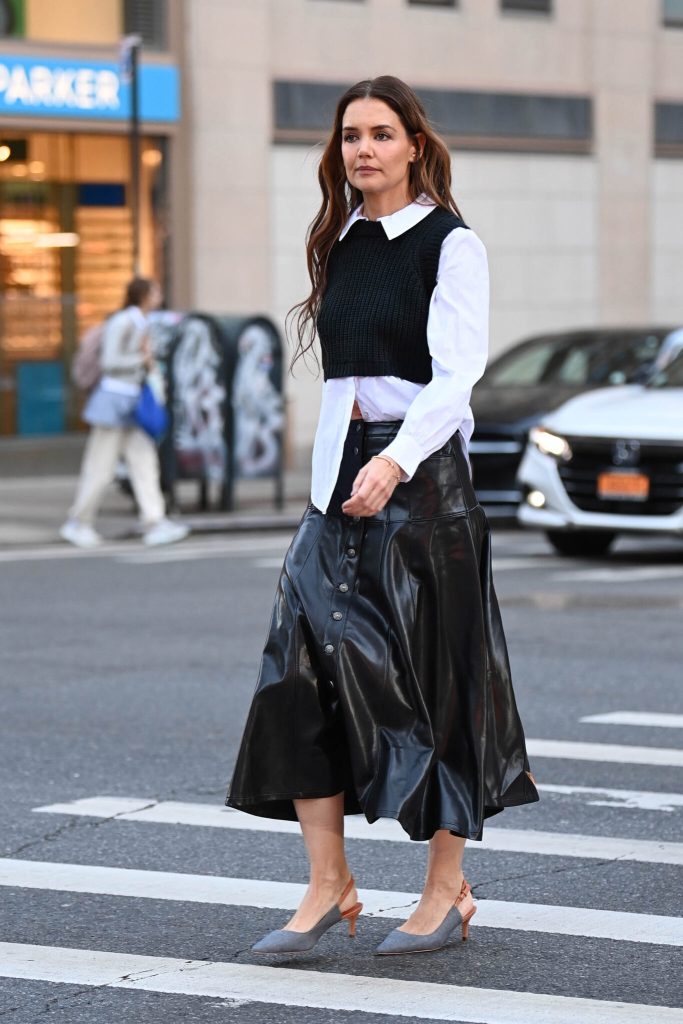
column 564, row 118
column 68, row 242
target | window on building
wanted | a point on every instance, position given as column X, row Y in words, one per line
column 147, row 18
column 537, row 6
column 672, row 13
column 11, row 18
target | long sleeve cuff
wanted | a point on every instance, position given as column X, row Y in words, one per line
column 406, row 452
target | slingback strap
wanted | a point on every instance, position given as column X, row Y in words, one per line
column 347, row 889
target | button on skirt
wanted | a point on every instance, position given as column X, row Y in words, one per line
column 385, row 672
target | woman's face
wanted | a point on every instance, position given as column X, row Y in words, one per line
column 376, row 148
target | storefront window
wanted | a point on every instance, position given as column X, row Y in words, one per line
column 66, row 253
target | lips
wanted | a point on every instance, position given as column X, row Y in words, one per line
column 367, row 170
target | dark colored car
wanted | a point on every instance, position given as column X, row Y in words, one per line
column 533, row 378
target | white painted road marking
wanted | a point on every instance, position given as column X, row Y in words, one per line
column 283, row 986
column 555, row 844
column 636, row 575
column 134, row 552
column 658, row 719
column 614, row 753
column 247, row 892
column 626, row 798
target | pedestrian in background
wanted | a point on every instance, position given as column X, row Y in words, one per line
column 385, row 685
column 126, row 358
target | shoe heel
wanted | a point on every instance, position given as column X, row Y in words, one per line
column 466, row 924
column 351, row 915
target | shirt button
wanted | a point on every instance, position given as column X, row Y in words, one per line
column 357, row 428
column 337, row 616
column 329, row 648
column 350, row 552
column 356, row 450
column 343, row 587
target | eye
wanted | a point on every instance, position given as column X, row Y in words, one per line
column 382, row 135
column 349, row 137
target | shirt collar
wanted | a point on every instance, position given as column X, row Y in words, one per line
column 395, row 224
column 138, row 316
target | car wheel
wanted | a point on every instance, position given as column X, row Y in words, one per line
column 586, row 542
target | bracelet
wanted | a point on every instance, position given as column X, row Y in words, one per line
column 394, row 465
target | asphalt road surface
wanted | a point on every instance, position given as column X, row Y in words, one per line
column 130, row 893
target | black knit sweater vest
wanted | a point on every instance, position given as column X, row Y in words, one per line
column 372, row 320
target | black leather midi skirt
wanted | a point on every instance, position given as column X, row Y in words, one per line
column 385, row 673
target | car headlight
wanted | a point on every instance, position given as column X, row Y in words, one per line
column 549, row 443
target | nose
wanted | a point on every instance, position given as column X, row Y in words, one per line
column 365, row 146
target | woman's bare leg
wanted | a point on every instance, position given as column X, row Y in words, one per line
column 442, row 885
column 322, row 825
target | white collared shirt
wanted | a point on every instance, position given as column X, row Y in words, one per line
column 122, row 359
column 457, row 336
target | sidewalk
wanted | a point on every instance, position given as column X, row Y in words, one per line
column 32, row 508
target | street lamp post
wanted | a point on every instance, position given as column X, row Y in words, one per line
column 130, row 53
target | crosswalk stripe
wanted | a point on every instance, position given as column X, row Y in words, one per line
column 123, row 550
column 284, row 986
column 658, row 719
column 557, row 844
column 613, row 753
column 247, row 892
column 636, row 575
column 626, row 798
column 195, row 550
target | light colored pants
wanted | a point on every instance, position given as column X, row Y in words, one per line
column 104, row 447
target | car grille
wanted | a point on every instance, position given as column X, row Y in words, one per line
column 663, row 464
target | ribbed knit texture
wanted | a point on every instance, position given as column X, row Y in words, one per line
column 373, row 316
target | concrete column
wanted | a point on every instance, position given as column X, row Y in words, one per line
column 623, row 47
column 228, row 114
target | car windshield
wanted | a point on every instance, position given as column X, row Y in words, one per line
column 575, row 361
column 672, row 377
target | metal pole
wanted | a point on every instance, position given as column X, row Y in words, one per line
column 135, row 153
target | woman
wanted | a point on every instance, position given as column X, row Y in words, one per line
column 384, row 686
column 125, row 359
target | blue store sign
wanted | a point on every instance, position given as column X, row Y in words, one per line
column 94, row 90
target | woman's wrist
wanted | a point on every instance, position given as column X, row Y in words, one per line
column 394, row 465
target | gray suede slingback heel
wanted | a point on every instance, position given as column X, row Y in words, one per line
column 284, row 941
column 458, row 916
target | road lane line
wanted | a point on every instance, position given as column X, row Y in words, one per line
column 631, row 799
column 657, row 719
column 555, row 844
column 613, row 753
column 123, row 549
column 247, row 892
column 285, row 986
column 664, row 572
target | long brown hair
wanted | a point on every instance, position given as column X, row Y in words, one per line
column 431, row 175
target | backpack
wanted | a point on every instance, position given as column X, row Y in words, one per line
column 85, row 367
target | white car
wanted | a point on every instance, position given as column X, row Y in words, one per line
column 608, row 462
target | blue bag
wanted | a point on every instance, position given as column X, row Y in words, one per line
column 150, row 414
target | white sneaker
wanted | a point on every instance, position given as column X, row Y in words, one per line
column 80, row 534
column 165, row 532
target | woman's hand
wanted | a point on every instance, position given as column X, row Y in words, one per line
column 373, row 487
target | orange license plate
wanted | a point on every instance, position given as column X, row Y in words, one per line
column 624, row 486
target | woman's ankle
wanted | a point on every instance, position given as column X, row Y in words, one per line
column 444, row 888
column 330, row 879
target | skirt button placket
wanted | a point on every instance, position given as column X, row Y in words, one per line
column 346, row 568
